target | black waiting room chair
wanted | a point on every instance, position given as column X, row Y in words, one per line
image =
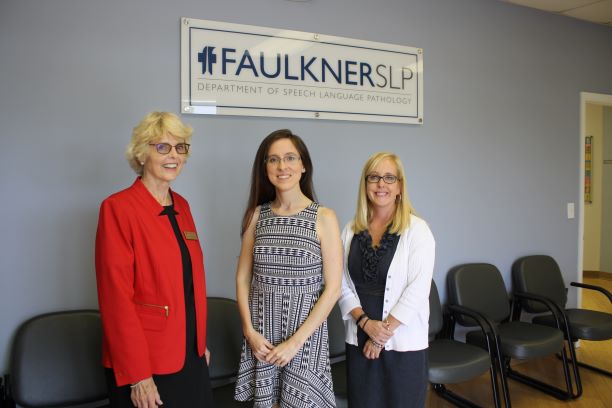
column 452, row 361
column 56, row 360
column 480, row 287
column 224, row 340
column 540, row 275
column 337, row 355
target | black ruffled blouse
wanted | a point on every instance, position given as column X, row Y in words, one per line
column 371, row 256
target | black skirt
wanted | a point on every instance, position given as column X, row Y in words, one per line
column 189, row 387
column 395, row 379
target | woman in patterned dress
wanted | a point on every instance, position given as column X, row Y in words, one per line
column 287, row 281
column 389, row 258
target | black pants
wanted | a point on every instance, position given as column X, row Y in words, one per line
column 188, row 388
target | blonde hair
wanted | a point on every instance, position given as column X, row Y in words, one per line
column 403, row 209
column 151, row 129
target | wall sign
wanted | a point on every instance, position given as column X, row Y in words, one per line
column 588, row 168
column 233, row 69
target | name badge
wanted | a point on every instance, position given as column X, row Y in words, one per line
column 191, row 235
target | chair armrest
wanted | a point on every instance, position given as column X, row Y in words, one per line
column 555, row 309
column 486, row 325
column 593, row 287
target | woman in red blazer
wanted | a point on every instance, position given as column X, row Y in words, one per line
column 150, row 275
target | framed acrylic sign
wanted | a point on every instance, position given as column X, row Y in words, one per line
column 234, row 69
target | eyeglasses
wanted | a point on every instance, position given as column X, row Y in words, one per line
column 288, row 159
column 387, row 178
column 165, row 148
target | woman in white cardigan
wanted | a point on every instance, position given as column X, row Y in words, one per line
column 388, row 266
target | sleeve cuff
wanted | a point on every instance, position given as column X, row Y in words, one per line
column 348, row 304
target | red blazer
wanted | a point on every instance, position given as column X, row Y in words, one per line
column 140, row 285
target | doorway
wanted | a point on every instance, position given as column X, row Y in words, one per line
column 592, row 104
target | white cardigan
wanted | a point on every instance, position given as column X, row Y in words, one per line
column 406, row 291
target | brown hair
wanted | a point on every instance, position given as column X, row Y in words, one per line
column 262, row 190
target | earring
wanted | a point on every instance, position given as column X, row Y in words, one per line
column 142, row 163
column 303, row 170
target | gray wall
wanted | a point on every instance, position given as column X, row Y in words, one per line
column 491, row 169
column 606, row 194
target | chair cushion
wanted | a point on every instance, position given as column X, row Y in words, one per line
column 451, row 361
column 56, row 360
column 540, row 275
column 584, row 324
column 224, row 340
column 523, row 340
column 478, row 286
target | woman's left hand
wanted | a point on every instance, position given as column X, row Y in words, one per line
column 144, row 394
column 282, row 354
column 371, row 351
column 207, row 354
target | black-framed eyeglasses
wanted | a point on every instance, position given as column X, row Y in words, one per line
column 165, row 148
column 288, row 159
column 387, row 178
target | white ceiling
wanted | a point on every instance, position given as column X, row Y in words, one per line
column 595, row 11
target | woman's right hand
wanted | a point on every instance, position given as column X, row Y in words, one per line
column 145, row 395
column 259, row 345
column 377, row 330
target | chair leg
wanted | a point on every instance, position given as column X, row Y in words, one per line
column 496, row 400
column 566, row 373
column 532, row 382
column 503, row 365
column 573, row 360
column 453, row 398
column 549, row 389
column 586, row 365
column 593, row 368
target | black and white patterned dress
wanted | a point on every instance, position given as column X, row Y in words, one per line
column 287, row 282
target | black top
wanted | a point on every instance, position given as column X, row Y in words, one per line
column 187, row 276
column 368, row 266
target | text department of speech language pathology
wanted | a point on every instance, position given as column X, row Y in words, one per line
column 362, row 96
